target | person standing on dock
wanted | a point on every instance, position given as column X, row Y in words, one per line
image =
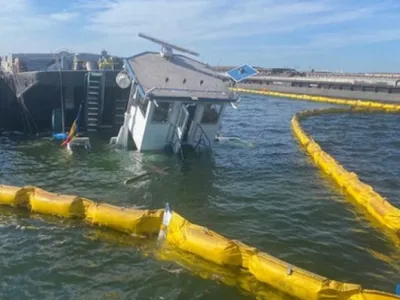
column 105, row 61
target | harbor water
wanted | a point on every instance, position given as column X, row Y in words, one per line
column 263, row 190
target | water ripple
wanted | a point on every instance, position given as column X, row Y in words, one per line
column 265, row 192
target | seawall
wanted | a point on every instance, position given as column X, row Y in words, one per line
column 346, row 94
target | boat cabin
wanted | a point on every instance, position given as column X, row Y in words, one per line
column 174, row 101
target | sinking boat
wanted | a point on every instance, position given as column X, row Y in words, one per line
column 175, row 101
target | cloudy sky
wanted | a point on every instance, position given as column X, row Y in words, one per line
column 353, row 35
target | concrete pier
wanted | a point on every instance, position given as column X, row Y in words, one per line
column 347, row 80
column 347, row 94
column 349, row 86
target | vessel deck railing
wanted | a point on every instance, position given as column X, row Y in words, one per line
column 177, row 92
column 202, row 141
column 174, row 139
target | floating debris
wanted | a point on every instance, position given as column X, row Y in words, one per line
column 234, row 139
column 144, row 175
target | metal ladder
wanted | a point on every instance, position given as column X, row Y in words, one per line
column 120, row 108
column 94, row 99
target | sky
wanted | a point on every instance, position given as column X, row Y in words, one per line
column 348, row 35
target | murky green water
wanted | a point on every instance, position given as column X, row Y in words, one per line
column 266, row 193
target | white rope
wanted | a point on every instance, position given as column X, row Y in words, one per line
column 62, row 100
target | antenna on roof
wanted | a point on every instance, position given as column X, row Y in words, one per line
column 166, row 50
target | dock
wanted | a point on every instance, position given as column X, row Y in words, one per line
column 325, row 92
column 379, row 87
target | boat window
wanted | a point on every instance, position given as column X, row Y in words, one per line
column 143, row 103
column 162, row 113
column 211, row 113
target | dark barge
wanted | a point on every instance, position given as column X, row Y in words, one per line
column 36, row 87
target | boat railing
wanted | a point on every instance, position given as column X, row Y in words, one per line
column 173, row 139
column 203, row 140
column 169, row 137
column 224, row 93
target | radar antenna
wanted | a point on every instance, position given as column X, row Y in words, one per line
column 63, row 52
column 166, row 50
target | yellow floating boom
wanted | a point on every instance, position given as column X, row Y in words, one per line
column 377, row 206
column 236, row 264
column 364, row 194
column 383, row 106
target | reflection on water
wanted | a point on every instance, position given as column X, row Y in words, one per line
column 265, row 192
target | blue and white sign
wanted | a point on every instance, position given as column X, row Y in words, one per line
column 242, row 72
column 398, row 290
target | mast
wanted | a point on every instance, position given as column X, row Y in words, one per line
column 166, row 50
column 61, row 55
column 62, row 102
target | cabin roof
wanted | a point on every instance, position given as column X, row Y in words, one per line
column 178, row 77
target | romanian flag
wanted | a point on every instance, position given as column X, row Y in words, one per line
column 74, row 129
